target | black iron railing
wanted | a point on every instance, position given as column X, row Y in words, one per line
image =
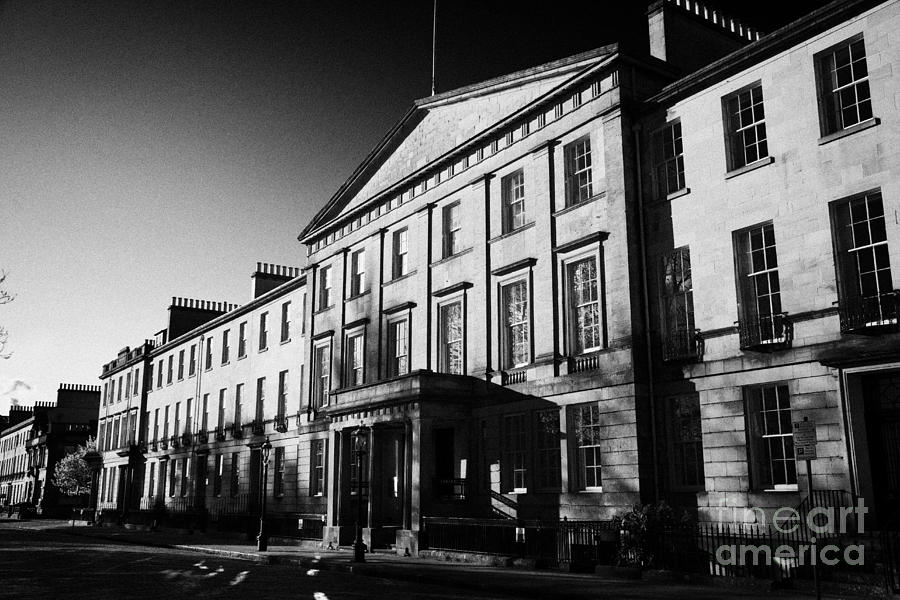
column 868, row 313
column 258, row 426
column 186, row 439
column 219, row 434
column 682, row 345
column 766, row 332
column 450, row 488
column 202, row 436
column 237, row 431
column 558, row 542
column 281, row 423
column 175, row 441
column 238, row 504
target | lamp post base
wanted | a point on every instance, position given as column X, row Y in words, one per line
column 359, row 551
column 262, row 540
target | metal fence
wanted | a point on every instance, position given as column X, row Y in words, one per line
column 556, row 542
column 228, row 505
column 732, row 550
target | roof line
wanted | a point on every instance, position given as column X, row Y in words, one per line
column 425, row 103
column 786, row 36
column 483, row 86
column 357, row 172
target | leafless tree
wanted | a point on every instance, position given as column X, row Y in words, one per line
column 5, row 298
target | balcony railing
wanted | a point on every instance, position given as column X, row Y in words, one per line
column 587, row 362
column 281, row 423
column 766, row 333
column 164, row 443
column 219, row 434
column 683, row 345
column 869, row 314
column 185, row 439
column 450, row 488
column 513, row 377
column 202, row 436
column 154, row 446
column 258, row 426
column 237, row 431
column 175, row 440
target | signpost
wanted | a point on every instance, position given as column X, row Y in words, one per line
column 805, row 449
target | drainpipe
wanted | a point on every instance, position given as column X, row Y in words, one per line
column 194, row 422
column 636, row 132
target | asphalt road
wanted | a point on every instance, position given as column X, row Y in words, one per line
column 49, row 565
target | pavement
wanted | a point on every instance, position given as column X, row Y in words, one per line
column 515, row 582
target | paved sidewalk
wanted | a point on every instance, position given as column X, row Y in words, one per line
column 519, row 583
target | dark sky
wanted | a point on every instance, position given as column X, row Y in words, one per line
column 151, row 149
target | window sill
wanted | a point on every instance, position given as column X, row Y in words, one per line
column 789, row 489
column 359, row 295
column 321, row 310
column 225, row 364
column 511, row 233
column 451, row 257
column 242, row 357
column 867, row 124
column 572, row 207
column 592, row 490
column 751, row 167
column 283, row 342
column 396, row 279
column 678, row 193
column 261, row 350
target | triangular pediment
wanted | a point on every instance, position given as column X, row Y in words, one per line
column 437, row 126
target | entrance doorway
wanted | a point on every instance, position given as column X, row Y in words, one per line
column 882, row 406
column 255, row 479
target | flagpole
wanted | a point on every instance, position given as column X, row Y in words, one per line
column 433, row 44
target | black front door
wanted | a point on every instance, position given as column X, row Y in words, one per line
column 882, row 395
column 255, row 479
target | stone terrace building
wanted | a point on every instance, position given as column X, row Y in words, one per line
column 220, row 380
column 773, row 230
column 476, row 301
column 38, row 439
column 122, row 408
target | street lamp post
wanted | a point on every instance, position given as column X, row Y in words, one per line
column 359, row 439
column 262, row 540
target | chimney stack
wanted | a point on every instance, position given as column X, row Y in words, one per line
column 267, row 277
column 689, row 35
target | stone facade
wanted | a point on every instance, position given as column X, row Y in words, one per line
column 603, row 281
column 793, row 189
column 36, row 441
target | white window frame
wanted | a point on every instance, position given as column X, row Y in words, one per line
column 443, row 346
column 355, row 372
column 393, row 345
column 400, row 253
column 357, row 272
column 578, row 168
column 452, row 227
column 506, row 343
column 572, row 305
column 512, row 191
column 321, row 378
